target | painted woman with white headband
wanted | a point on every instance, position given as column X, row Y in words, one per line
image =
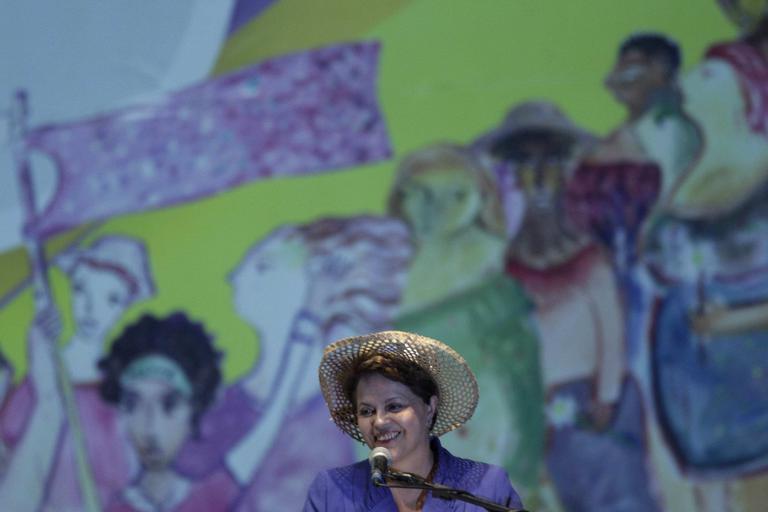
column 107, row 278
column 162, row 374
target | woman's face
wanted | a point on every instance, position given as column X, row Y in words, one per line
column 269, row 280
column 440, row 201
column 389, row 414
column 99, row 298
column 158, row 418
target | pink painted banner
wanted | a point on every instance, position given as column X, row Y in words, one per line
column 299, row 114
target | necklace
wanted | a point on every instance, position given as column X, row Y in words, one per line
column 423, row 495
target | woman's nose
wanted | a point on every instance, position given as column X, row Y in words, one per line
column 83, row 302
column 380, row 418
column 147, row 418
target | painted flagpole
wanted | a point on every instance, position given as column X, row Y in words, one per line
column 44, row 299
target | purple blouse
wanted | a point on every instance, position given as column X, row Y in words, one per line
column 349, row 488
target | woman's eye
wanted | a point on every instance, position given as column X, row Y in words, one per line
column 115, row 299
column 460, row 194
column 414, row 193
column 170, row 402
column 128, row 402
column 394, row 407
column 365, row 412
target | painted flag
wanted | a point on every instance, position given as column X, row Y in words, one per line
column 299, row 114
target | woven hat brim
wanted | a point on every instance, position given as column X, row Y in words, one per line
column 457, row 386
column 532, row 117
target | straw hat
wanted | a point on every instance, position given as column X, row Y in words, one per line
column 456, row 384
column 533, row 116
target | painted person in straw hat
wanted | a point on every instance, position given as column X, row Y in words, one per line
column 106, row 278
column 593, row 406
column 401, row 391
column 457, row 292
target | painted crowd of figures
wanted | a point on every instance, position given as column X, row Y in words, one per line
column 610, row 293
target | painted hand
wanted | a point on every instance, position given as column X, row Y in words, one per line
column 42, row 338
column 709, row 321
column 602, row 415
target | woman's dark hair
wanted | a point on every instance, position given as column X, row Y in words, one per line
column 179, row 339
column 759, row 33
column 655, row 46
column 397, row 369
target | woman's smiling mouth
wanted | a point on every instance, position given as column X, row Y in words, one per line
column 386, row 437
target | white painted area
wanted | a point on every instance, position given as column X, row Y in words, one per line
column 82, row 57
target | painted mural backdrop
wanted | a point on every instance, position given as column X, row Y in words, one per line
column 573, row 198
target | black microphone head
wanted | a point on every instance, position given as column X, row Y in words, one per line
column 377, row 453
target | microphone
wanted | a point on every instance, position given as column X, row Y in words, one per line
column 380, row 458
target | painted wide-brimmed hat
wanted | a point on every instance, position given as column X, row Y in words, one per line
column 531, row 117
column 456, row 384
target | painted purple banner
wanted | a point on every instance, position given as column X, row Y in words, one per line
column 298, row 114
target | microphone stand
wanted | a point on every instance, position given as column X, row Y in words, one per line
column 402, row 480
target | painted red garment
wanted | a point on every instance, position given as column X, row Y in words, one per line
column 752, row 68
column 612, row 198
column 552, row 280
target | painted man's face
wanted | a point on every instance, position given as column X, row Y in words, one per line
column 158, row 418
column 635, row 77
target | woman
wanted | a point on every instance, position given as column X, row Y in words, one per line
column 106, row 279
column 731, row 82
column 162, row 374
column 401, row 391
column 457, row 292
column 594, row 408
column 298, row 288
column 450, row 204
column 617, row 185
column 709, row 351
